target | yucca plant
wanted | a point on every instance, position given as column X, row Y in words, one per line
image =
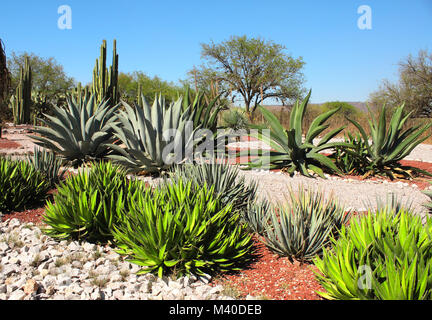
column 177, row 228
column 155, row 137
column 89, row 204
column 302, row 227
column 292, row 152
column 80, row 132
column 47, row 162
column 385, row 255
column 21, row 185
column 257, row 215
column 390, row 145
column 228, row 185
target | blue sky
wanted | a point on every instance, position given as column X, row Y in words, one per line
column 163, row 37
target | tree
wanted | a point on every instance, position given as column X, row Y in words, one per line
column 49, row 77
column 254, row 68
column 150, row 87
column 414, row 87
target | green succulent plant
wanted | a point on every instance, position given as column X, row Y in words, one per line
column 155, row 137
column 230, row 188
column 390, row 145
column 21, row 185
column 176, row 227
column 78, row 133
column 88, row 205
column 47, row 162
column 351, row 160
column 302, row 227
column 293, row 153
column 385, row 255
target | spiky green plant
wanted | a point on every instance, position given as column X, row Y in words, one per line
column 80, row 132
column 390, row 145
column 302, row 227
column 21, row 185
column 385, row 255
column 257, row 215
column 235, row 120
column 179, row 228
column 292, row 153
column 21, row 102
column 228, row 185
column 155, row 137
column 351, row 160
column 89, row 204
column 47, row 163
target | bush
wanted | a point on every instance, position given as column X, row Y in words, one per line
column 303, row 227
column 21, row 185
column 183, row 230
column 384, row 255
column 235, row 120
column 88, row 205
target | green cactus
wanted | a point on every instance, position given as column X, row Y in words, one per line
column 105, row 81
column 21, row 102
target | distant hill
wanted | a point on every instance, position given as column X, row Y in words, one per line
column 358, row 104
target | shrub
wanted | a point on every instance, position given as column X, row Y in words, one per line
column 88, row 205
column 178, row 228
column 235, row 120
column 21, row 185
column 47, row 163
column 386, row 255
column 303, row 227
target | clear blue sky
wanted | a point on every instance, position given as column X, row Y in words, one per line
column 163, row 37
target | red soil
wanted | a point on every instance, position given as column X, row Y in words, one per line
column 7, row 144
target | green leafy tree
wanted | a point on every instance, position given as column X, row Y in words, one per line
column 131, row 83
column 254, row 68
column 414, row 87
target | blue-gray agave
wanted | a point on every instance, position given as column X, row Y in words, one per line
column 154, row 137
column 79, row 132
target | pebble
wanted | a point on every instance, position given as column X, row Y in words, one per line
column 84, row 276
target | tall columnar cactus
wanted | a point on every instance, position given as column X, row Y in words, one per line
column 22, row 101
column 105, row 81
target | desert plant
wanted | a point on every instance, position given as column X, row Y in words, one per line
column 21, row 102
column 155, row 137
column 291, row 152
column 225, row 179
column 302, row 227
column 79, row 132
column 385, row 255
column 257, row 215
column 21, row 185
column 351, row 160
column 89, row 204
column 47, row 162
column 179, row 228
column 235, row 120
column 390, row 145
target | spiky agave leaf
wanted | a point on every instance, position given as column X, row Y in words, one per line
column 79, row 132
column 47, row 163
column 392, row 144
column 154, row 137
column 293, row 153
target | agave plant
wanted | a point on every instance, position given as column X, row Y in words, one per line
column 178, row 228
column 385, row 255
column 155, row 137
column 302, row 227
column 390, row 145
column 79, row 132
column 224, row 177
column 47, row 163
column 292, row 152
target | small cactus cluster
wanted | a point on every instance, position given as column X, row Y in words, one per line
column 21, row 102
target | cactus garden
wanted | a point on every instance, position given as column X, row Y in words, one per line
column 228, row 185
